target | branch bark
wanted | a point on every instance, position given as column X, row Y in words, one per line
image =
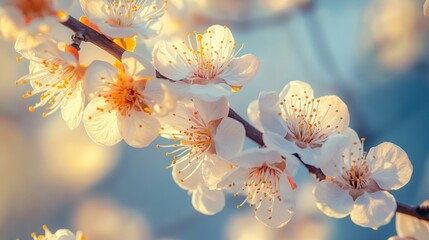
column 105, row 43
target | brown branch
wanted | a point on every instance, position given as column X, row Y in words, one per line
column 100, row 40
column 94, row 37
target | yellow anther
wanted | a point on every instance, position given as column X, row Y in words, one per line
column 31, row 108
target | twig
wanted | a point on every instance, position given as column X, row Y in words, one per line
column 98, row 39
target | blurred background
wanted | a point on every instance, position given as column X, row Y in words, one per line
column 374, row 54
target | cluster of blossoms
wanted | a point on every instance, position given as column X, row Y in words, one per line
column 181, row 94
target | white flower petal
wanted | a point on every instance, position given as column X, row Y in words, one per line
column 219, row 38
column 240, row 71
column 333, row 115
column 208, row 92
column 139, row 129
column 208, row 201
column 169, row 61
column 137, row 67
column 213, row 110
column 94, row 8
column 213, row 169
column 269, row 109
column 407, row 226
column 332, row 200
column 253, row 114
column 296, row 87
column 187, row 176
column 256, row 157
column 390, row 166
column 373, row 209
column 101, row 126
column 159, row 97
column 278, row 143
column 73, row 106
column 233, row 177
column 229, row 138
column 277, row 213
column 98, row 72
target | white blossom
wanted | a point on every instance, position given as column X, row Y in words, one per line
column 30, row 16
column 296, row 122
column 125, row 18
column 411, row 228
column 204, row 136
column 357, row 182
column 127, row 103
column 209, row 70
column 61, row 234
column 55, row 74
column 265, row 177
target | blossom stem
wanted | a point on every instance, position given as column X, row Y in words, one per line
column 87, row 34
column 90, row 35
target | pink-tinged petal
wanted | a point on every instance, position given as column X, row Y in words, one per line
column 277, row 213
column 253, row 114
column 208, row 202
column 214, row 110
column 269, row 113
column 94, row 9
column 256, row 157
column 213, row 169
column 12, row 22
column 296, row 87
column 208, row 92
column 278, row 143
column 407, row 226
column 229, row 138
column 137, row 67
column 333, row 115
column 101, row 126
column 99, row 72
column 187, row 176
column 219, row 38
column 240, row 71
column 373, row 209
column 139, row 129
column 390, row 166
column 332, row 200
column 73, row 106
column 330, row 159
column 170, row 62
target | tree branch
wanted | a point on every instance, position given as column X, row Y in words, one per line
column 89, row 35
column 94, row 37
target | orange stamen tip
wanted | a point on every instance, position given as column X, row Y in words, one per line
column 31, row 108
column 33, row 234
column 62, row 16
column 18, row 59
column 45, row 227
column 44, row 115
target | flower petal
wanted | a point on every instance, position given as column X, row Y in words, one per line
column 73, row 106
column 94, row 8
column 407, row 226
column 159, row 97
column 208, row 92
column 333, row 115
column 256, row 157
column 98, row 72
column 332, row 200
column 277, row 213
column 214, row 110
column 170, row 62
column 139, row 129
column 208, row 201
column 12, row 22
column 373, row 209
column 296, row 87
column 278, row 143
column 253, row 114
column 187, row 176
column 268, row 112
column 390, row 166
column 232, row 178
column 229, row 138
column 101, row 126
column 137, row 67
column 220, row 39
column 213, row 169
column 240, row 71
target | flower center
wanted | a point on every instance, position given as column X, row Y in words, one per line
column 304, row 120
column 124, row 95
column 35, row 8
column 207, row 59
column 126, row 13
column 55, row 79
column 192, row 143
